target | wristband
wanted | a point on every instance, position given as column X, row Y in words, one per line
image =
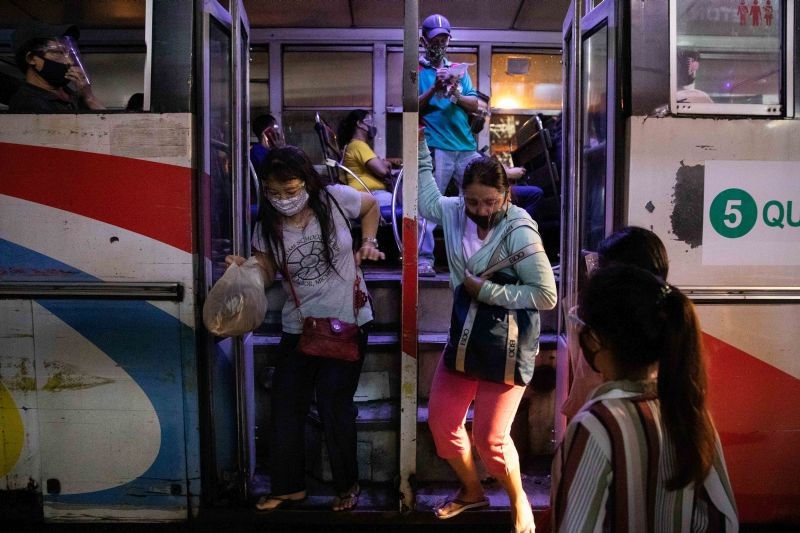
column 371, row 240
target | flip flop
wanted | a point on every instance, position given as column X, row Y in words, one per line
column 346, row 501
column 458, row 506
column 269, row 504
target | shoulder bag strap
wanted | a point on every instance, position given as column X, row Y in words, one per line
column 496, row 264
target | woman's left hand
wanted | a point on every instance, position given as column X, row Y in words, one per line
column 472, row 283
column 368, row 251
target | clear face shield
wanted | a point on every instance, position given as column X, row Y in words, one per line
column 73, row 55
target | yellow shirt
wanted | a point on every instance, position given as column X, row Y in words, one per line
column 355, row 159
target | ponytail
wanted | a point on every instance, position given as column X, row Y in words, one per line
column 682, row 387
column 642, row 320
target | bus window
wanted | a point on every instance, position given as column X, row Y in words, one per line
column 522, row 84
column 259, row 83
column 329, row 82
column 594, row 110
column 727, row 57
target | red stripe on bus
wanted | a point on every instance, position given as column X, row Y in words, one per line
column 755, row 409
column 409, row 340
column 152, row 199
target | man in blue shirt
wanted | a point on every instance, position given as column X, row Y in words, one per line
column 445, row 98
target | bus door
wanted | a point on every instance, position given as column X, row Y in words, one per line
column 591, row 119
column 229, row 457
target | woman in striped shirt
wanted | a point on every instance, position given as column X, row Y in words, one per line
column 641, row 455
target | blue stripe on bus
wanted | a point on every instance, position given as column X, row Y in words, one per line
column 147, row 343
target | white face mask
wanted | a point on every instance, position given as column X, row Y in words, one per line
column 289, row 206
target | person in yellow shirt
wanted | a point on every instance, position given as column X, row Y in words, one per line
column 355, row 133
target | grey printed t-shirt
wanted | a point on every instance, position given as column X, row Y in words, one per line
column 323, row 292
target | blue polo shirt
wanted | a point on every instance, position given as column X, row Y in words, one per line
column 446, row 123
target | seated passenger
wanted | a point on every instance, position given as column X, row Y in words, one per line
column 55, row 81
column 687, row 67
column 642, row 454
column 355, row 134
column 270, row 136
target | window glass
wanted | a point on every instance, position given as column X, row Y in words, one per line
column 220, row 147
column 327, row 79
column 728, row 52
column 394, row 73
column 594, row 111
column 298, row 127
column 526, row 81
column 259, row 83
column 503, row 135
column 115, row 77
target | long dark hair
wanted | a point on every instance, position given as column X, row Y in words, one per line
column 282, row 165
column 347, row 127
column 634, row 246
column 642, row 320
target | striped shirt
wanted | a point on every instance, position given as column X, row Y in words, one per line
column 610, row 472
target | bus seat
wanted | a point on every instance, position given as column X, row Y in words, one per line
column 533, row 153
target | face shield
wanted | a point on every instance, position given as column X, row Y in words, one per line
column 71, row 51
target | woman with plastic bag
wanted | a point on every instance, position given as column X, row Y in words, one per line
column 304, row 233
column 483, row 232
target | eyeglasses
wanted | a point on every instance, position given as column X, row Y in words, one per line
column 491, row 203
column 572, row 316
column 57, row 52
column 289, row 193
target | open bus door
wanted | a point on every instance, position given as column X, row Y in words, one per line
column 591, row 120
column 224, row 179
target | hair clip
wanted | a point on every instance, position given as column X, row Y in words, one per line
column 664, row 291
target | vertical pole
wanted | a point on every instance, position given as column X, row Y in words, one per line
column 408, row 342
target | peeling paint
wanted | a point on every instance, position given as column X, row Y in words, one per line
column 66, row 377
column 687, row 202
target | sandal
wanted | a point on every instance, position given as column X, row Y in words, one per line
column 347, row 501
column 457, row 506
column 268, row 504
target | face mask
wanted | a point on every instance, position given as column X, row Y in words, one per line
column 482, row 221
column 54, row 73
column 588, row 354
column 372, row 131
column 435, row 53
column 289, row 206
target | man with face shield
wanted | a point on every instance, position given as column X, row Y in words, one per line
column 55, row 80
column 446, row 97
column 688, row 64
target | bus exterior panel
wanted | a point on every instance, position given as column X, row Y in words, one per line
column 754, row 374
column 100, row 392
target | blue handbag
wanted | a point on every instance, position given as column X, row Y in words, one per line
column 491, row 342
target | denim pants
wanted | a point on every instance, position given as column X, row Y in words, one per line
column 294, row 382
column 446, row 166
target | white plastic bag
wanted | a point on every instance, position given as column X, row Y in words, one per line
column 237, row 302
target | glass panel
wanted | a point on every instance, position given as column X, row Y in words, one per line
column 298, row 127
column 394, row 73
column 259, row 84
column 594, row 135
column 526, row 81
column 219, row 119
column 115, row 77
column 503, row 135
column 327, row 79
column 735, row 59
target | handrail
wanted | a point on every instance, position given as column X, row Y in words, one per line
column 752, row 295
column 395, row 231
column 90, row 290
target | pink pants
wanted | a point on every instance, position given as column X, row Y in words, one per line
column 495, row 407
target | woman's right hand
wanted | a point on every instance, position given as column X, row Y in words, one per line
column 231, row 259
